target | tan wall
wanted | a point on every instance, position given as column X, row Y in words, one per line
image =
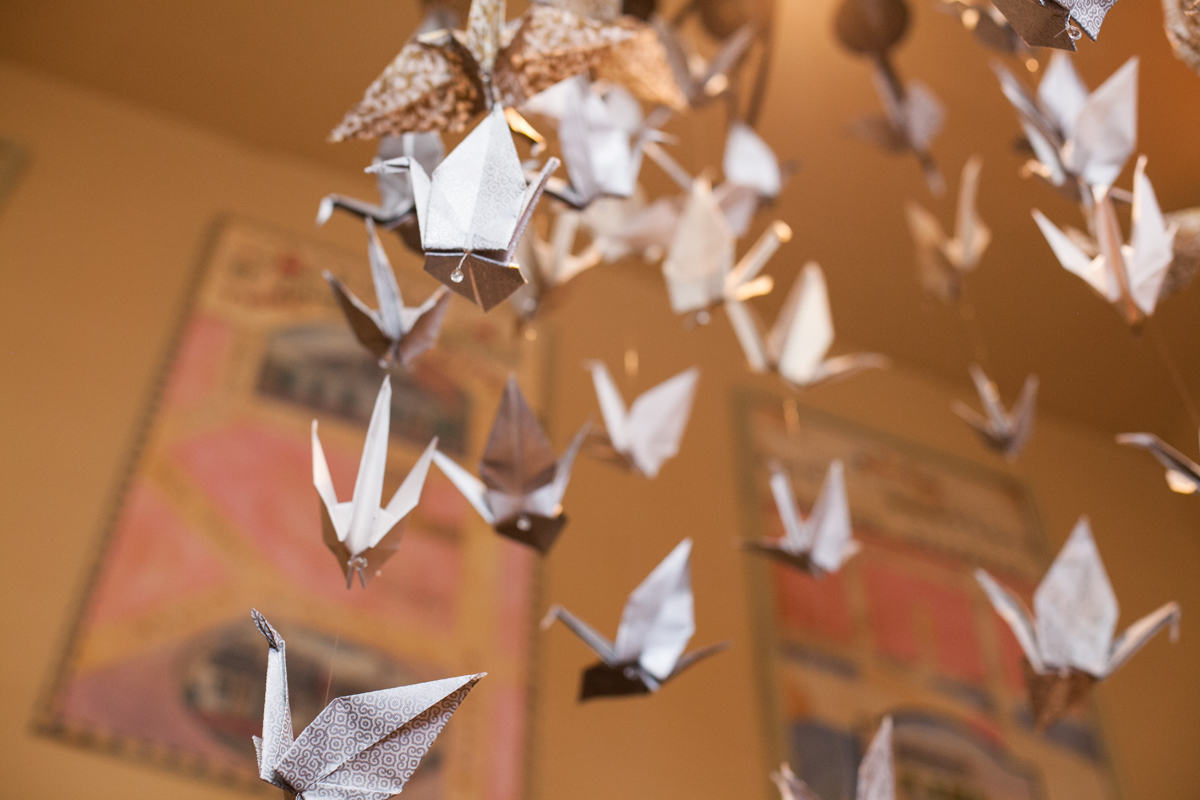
column 95, row 248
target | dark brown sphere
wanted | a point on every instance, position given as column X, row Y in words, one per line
column 870, row 26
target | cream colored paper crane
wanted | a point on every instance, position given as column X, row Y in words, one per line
column 699, row 267
column 750, row 161
column 1081, row 140
column 547, row 265
column 820, row 543
column 646, row 435
column 1128, row 275
column 800, row 338
column 361, row 533
column 1070, row 644
column 1004, row 431
column 396, row 332
column 942, row 261
column 656, row 626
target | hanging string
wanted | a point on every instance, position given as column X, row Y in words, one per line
column 1176, row 376
column 966, row 313
column 329, row 684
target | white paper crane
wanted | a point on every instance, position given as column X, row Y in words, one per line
column 395, row 205
column 361, row 533
column 1003, row 431
column 549, row 264
column 656, row 625
column 699, row 267
column 1070, row 645
column 803, row 332
column 601, row 137
column 396, row 332
column 473, row 209
column 362, row 746
column 820, row 543
column 1080, row 140
column 646, row 435
column 876, row 772
column 750, row 161
column 1130, row 276
column 941, row 260
column 1183, row 474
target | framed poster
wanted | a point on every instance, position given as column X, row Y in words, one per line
column 217, row 514
column 902, row 629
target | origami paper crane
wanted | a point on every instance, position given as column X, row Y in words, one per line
column 656, row 625
column 699, row 267
column 912, row 118
column 362, row 746
column 443, row 78
column 548, row 265
column 523, row 483
column 876, row 772
column 1069, row 646
column 361, row 533
column 943, row 261
column 790, row 786
column 988, row 24
column 1080, row 140
column 1183, row 474
column 601, row 139
column 1003, row 431
column 702, row 81
column 749, row 161
column 473, row 210
column 646, row 435
column 395, row 332
column 821, row 543
column 395, row 210
column 1129, row 276
column 803, row 332
column 1046, row 23
column 1182, row 25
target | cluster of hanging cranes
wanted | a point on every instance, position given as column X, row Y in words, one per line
column 586, row 68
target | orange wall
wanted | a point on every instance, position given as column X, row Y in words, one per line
column 96, row 245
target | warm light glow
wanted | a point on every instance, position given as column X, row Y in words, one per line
column 1031, row 64
column 716, row 84
column 530, row 334
column 791, row 415
column 1180, row 482
column 970, row 18
column 631, row 362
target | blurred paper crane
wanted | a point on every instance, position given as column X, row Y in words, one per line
column 646, row 435
column 1069, row 646
column 800, row 338
column 820, row 543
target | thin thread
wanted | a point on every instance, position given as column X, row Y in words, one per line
column 329, row 683
column 1176, row 375
column 967, row 312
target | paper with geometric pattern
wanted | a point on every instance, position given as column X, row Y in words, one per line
column 361, row 747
